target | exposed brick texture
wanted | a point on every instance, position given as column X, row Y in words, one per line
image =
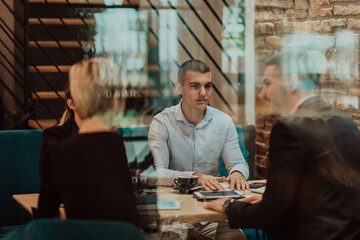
column 343, row 10
column 355, row 91
column 263, row 136
column 329, row 26
column 272, row 15
column 308, row 26
column 353, row 24
column 264, row 28
column 345, row 87
column 260, row 123
column 319, row 8
column 296, row 13
column 284, row 27
column 274, row 41
column 332, row 1
column 319, row 2
column 320, row 12
column 275, row 3
column 259, row 42
column 261, row 148
column 262, row 161
column 301, row 4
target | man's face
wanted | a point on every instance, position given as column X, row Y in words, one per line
column 274, row 91
column 196, row 90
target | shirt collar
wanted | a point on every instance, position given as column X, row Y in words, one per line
column 300, row 102
column 179, row 115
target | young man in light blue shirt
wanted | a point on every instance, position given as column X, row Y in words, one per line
column 190, row 137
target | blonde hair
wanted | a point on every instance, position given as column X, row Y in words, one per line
column 94, row 85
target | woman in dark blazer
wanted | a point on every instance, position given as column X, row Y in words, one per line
column 88, row 172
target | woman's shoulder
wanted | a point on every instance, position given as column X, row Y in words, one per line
column 101, row 137
column 60, row 132
column 89, row 146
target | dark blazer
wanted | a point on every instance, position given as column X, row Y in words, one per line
column 314, row 162
column 55, row 133
column 89, row 174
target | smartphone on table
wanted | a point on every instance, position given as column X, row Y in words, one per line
column 256, row 185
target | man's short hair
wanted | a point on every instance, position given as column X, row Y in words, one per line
column 299, row 63
column 191, row 66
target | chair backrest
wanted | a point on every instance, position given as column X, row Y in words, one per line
column 249, row 141
column 136, row 144
column 47, row 229
column 246, row 137
column 19, row 172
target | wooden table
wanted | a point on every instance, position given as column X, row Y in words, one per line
column 29, row 201
column 191, row 210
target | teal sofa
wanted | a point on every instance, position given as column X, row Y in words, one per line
column 46, row 229
column 19, row 172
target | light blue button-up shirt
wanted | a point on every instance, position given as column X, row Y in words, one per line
column 180, row 148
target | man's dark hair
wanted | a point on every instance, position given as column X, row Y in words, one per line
column 191, row 66
column 299, row 63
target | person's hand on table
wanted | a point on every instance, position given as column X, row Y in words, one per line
column 216, row 205
column 253, row 199
column 237, row 181
column 209, row 182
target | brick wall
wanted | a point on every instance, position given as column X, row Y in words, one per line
column 274, row 19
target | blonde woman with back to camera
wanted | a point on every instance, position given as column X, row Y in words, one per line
column 89, row 171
